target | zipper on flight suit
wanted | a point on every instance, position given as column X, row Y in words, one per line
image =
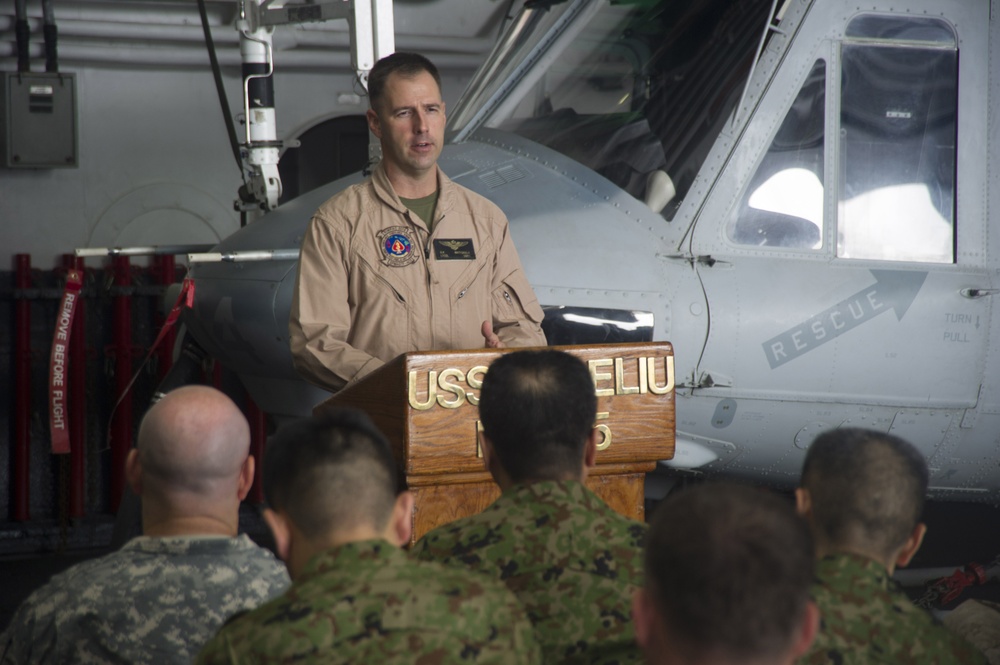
column 379, row 278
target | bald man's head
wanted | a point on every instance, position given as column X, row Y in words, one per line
column 194, row 443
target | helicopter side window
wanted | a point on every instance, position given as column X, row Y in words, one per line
column 898, row 119
column 783, row 205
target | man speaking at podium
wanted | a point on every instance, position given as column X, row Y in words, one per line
column 406, row 260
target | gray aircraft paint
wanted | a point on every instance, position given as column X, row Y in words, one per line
column 931, row 371
column 892, row 291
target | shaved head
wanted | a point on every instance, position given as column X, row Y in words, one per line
column 331, row 473
column 867, row 489
column 192, row 443
column 537, row 409
column 729, row 569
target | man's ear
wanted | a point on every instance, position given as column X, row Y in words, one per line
column 911, row 546
column 246, row 477
column 489, row 457
column 807, row 631
column 280, row 529
column 803, row 502
column 590, row 451
column 401, row 525
column 643, row 615
column 373, row 123
column 133, row 471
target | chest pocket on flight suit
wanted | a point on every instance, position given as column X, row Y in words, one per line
column 379, row 320
column 470, row 291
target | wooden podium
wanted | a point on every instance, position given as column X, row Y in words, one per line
column 426, row 404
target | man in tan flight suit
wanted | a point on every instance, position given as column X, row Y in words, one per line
column 406, row 260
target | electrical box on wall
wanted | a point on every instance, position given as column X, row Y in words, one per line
column 39, row 120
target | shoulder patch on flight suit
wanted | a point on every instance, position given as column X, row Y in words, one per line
column 454, row 249
column 397, row 246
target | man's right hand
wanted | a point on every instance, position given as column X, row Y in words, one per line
column 492, row 341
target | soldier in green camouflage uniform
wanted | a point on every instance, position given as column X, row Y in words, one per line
column 867, row 618
column 728, row 571
column 160, row 597
column 572, row 561
column 862, row 493
column 356, row 597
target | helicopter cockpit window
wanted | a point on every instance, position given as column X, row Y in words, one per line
column 898, row 119
column 629, row 89
column 783, row 205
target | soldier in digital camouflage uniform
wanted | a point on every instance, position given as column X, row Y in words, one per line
column 862, row 493
column 571, row 559
column 728, row 571
column 356, row 597
column 159, row 598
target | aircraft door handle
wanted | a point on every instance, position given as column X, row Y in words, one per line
column 978, row 293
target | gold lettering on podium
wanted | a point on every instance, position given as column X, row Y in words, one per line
column 668, row 371
column 475, row 380
column 605, row 443
column 411, row 381
column 453, row 388
column 479, row 441
column 601, row 376
column 620, row 387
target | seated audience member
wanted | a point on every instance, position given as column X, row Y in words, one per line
column 163, row 594
column 862, row 493
column 728, row 571
column 572, row 560
column 339, row 520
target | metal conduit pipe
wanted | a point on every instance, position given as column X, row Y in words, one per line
column 330, row 60
column 146, row 31
column 180, row 12
column 320, row 35
column 51, row 33
column 22, row 35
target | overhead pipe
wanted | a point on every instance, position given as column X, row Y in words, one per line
column 174, row 13
column 244, row 256
column 77, row 400
column 325, row 35
column 337, row 60
column 21, row 476
column 121, row 424
column 142, row 250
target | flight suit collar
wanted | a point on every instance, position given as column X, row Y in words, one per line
column 387, row 195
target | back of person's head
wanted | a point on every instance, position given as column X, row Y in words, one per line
column 866, row 490
column 407, row 65
column 192, row 443
column 537, row 409
column 332, row 473
column 728, row 572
